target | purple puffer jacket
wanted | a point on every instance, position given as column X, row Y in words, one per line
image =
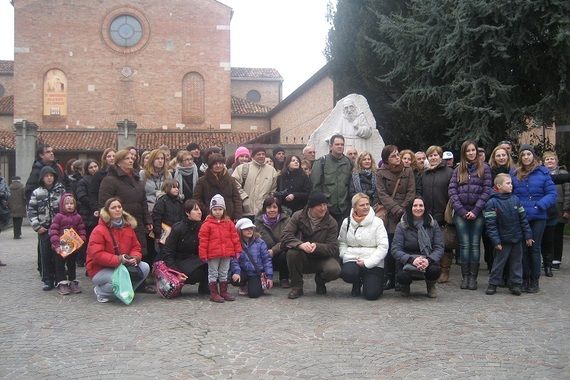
column 64, row 220
column 472, row 195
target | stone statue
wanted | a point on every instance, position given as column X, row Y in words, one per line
column 352, row 118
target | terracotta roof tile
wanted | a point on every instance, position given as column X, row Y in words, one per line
column 81, row 140
column 243, row 107
column 255, row 73
column 7, row 67
column 7, row 105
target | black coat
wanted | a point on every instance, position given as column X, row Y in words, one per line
column 168, row 210
column 434, row 190
column 294, row 182
column 87, row 202
column 33, row 181
column 181, row 249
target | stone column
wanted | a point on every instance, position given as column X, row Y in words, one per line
column 126, row 134
column 26, row 138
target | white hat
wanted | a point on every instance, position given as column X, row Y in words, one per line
column 447, row 155
column 244, row 223
column 217, row 201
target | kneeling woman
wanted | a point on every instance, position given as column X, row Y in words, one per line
column 363, row 245
column 180, row 252
column 418, row 241
column 112, row 243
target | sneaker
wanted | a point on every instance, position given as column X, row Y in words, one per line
column 74, row 287
column 47, row 286
column 63, row 289
column 101, row 299
column 491, row 289
column 242, row 291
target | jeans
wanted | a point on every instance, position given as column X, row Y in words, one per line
column 372, row 279
column 532, row 255
column 103, row 280
column 469, row 236
column 511, row 254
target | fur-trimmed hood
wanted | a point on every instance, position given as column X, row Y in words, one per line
column 105, row 218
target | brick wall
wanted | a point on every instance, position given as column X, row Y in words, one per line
column 185, row 36
column 270, row 91
column 304, row 114
column 250, row 124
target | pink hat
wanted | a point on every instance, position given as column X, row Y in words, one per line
column 241, row 151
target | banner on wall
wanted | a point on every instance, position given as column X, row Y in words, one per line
column 55, row 93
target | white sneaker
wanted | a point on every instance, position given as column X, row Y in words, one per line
column 101, row 299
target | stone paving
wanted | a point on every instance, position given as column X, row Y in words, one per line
column 462, row 334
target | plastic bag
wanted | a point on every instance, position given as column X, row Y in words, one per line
column 122, row 285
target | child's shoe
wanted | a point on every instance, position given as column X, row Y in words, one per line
column 74, row 287
column 224, row 291
column 242, row 290
column 516, row 290
column 214, row 295
column 491, row 289
column 63, row 288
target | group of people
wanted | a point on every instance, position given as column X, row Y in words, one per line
column 238, row 220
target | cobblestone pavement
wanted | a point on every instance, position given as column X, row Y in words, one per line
column 462, row 334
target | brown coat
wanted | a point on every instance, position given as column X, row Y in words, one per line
column 210, row 185
column 17, row 200
column 298, row 230
column 395, row 206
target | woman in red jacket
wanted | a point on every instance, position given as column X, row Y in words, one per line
column 218, row 243
column 113, row 242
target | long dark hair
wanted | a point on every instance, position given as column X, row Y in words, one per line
column 410, row 216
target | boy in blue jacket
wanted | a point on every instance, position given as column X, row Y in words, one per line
column 506, row 223
column 253, row 270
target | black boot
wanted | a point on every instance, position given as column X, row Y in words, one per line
column 464, row 275
column 356, row 289
column 390, row 282
column 548, row 270
column 533, row 286
column 473, row 273
column 525, row 285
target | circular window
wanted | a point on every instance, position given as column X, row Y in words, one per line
column 253, row 96
column 125, row 30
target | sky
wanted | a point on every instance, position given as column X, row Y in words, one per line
column 288, row 35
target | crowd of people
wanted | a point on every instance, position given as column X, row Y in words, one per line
column 241, row 219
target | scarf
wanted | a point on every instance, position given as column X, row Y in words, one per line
column 395, row 169
column 271, row 222
column 117, row 223
column 424, row 240
column 358, row 219
column 184, row 172
column 313, row 221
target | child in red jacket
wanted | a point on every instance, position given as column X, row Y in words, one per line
column 218, row 243
column 66, row 218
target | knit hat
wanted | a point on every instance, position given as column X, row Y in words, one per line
column 244, row 223
column 527, row 147
column 257, row 149
column 278, row 149
column 217, row 201
column 241, row 151
column 316, row 199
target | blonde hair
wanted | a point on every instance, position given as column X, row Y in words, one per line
column 500, row 179
column 361, row 158
column 434, row 148
column 548, row 154
column 493, row 164
column 414, row 164
column 357, row 197
column 149, row 170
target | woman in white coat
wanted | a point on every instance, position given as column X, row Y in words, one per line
column 363, row 244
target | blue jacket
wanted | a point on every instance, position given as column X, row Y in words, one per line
column 537, row 193
column 505, row 219
column 257, row 249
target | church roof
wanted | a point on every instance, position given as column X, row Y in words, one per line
column 255, row 73
column 7, row 67
column 244, row 107
column 7, row 105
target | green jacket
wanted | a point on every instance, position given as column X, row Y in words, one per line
column 331, row 176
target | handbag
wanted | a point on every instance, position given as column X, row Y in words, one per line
column 122, row 285
column 449, row 237
column 169, row 282
column 448, row 213
column 380, row 210
column 262, row 276
column 135, row 272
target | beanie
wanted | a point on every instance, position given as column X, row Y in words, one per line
column 316, row 199
column 217, row 201
column 277, row 150
column 257, row 149
column 241, row 151
column 527, row 147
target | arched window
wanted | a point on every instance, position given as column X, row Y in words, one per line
column 193, row 98
column 55, row 93
column 253, row 96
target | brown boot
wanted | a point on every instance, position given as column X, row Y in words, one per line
column 214, row 295
column 224, row 291
column 445, row 266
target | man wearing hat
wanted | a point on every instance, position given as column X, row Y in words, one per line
column 311, row 240
column 17, row 204
column 279, row 158
column 255, row 180
column 448, row 158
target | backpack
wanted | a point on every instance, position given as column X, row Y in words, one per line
column 169, row 282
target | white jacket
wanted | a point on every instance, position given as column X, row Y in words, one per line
column 367, row 241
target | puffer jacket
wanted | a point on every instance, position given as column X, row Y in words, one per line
column 182, row 245
column 64, row 220
column 471, row 195
column 435, row 182
column 44, row 203
column 405, row 244
column 536, row 191
column 385, row 183
column 100, row 251
column 257, row 249
column 367, row 240
column 272, row 237
column 299, row 230
column 261, row 180
column 218, row 239
column 505, row 219
column 167, row 210
column 211, row 184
